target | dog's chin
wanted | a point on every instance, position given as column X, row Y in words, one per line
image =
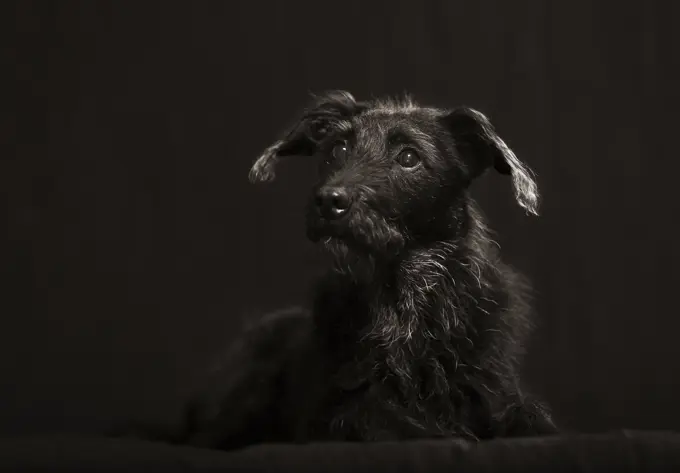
column 335, row 246
column 335, row 241
column 342, row 242
column 347, row 255
column 330, row 242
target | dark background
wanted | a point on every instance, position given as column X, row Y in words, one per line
column 134, row 244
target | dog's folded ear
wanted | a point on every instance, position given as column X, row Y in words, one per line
column 303, row 138
column 480, row 147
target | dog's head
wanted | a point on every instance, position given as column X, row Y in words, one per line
column 392, row 174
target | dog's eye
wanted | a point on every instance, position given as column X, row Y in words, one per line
column 340, row 150
column 408, row 158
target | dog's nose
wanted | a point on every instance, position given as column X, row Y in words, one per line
column 333, row 202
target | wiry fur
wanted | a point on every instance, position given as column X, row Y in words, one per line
column 416, row 329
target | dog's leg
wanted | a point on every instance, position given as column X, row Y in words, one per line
column 242, row 405
column 527, row 418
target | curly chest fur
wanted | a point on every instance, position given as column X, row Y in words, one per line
column 371, row 372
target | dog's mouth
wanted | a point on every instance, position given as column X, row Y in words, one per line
column 342, row 243
column 331, row 238
column 338, row 239
column 363, row 233
column 319, row 231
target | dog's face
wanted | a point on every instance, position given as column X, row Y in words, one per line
column 387, row 179
column 392, row 175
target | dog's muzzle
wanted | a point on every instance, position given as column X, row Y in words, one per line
column 328, row 211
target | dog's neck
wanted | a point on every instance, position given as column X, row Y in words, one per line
column 430, row 329
column 444, row 296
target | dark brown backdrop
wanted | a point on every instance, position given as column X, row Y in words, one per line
column 134, row 243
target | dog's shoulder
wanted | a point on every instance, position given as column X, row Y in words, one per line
column 265, row 338
column 277, row 330
column 241, row 389
column 291, row 318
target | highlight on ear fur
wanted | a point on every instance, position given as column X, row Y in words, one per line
column 303, row 137
column 477, row 139
column 263, row 169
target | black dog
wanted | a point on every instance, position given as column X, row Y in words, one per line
column 416, row 329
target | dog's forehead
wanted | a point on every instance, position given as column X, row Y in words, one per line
column 386, row 119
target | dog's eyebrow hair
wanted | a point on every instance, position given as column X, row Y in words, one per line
column 341, row 126
column 408, row 134
column 398, row 135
